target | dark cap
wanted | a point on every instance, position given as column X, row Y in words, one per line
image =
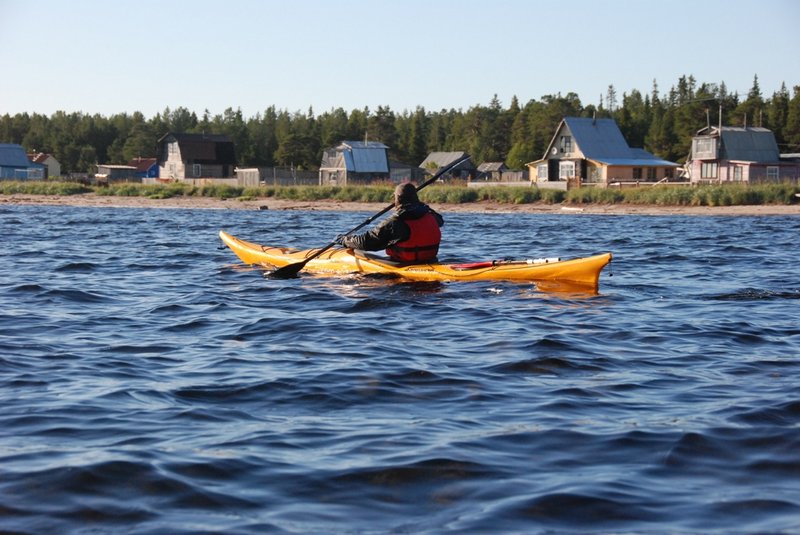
column 405, row 193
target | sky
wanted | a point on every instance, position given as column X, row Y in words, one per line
column 121, row 56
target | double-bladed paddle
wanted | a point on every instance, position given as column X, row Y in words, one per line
column 291, row 270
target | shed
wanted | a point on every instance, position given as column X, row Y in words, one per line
column 354, row 162
column 110, row 173
column 145, row 167
column 14, row 164
column 491, row 171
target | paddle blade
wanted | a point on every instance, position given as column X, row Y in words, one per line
column 289, row 271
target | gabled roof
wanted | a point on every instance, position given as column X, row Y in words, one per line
column 597, row 139
column 204, row 148
column 364, row 156
column 601, row 140
column 749, row 144
column 489, row 167
column 442, row 159
column 12, row 155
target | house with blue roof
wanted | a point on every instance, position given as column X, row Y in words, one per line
column 14, row 164
column 738, row 154
column 354, row 162
column 593, row 152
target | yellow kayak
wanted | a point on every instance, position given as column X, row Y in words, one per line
column 336, row 261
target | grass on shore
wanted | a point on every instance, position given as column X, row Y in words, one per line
column 722, row 195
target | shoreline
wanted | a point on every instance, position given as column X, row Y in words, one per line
column 210, row 203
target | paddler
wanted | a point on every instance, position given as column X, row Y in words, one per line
column 410, row 235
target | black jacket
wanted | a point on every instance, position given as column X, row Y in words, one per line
column 391, row 230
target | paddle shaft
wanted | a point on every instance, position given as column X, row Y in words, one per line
column 292, row 270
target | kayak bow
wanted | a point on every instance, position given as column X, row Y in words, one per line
column 336, row 261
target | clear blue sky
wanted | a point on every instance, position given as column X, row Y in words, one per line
column 114, row 56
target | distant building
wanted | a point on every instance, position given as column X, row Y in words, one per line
column 593, row 152
column 354, row 162
column 738, row 154
column 111, row 173
column 183, row 156
column 52, row 166
column 404, row 172
column 14, row 164
column 145, row 167
column 436, row 160
column 491, row 171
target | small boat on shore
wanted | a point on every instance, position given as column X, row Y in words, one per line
column 583, row 272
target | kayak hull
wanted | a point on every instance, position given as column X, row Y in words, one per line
column 337, row 261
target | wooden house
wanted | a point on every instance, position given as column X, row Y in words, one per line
column 738, row 154
column 593, row 152
column 52, row 166
column 184, row 156
column 491, row 171
column 14, row 164
column 354, row 162
column 436, row 160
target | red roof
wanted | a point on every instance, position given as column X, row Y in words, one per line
column 38, row 157
column 142, row 164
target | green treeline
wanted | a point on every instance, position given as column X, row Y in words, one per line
column 661, row 123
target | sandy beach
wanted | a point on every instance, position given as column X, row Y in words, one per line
column 94, row 200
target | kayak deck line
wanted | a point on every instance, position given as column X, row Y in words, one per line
column 584, row 271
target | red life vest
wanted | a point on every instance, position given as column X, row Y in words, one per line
column 423, row 243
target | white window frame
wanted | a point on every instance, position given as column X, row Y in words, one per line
column 541, row 171
column 197, row 170
column 566, row 170
column 738, row 173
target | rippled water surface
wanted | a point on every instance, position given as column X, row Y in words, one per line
column 150, row 383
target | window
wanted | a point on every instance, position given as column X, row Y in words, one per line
column 566, row 144
column 541, row 171
column 705, row 148
column 737, row 173
column 196, row 170
column 708, row 170
column 637, row 173
column 566, row 170
column 772, row 172
column 669, row 172
column 651, row 173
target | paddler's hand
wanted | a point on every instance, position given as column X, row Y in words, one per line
column 339, row 239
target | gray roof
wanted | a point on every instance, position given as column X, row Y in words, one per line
column 749, row 144
column 488, row 167
column 601, row 140
column 364, row 156
column 441, row 159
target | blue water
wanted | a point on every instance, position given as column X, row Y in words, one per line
column 151, row 383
